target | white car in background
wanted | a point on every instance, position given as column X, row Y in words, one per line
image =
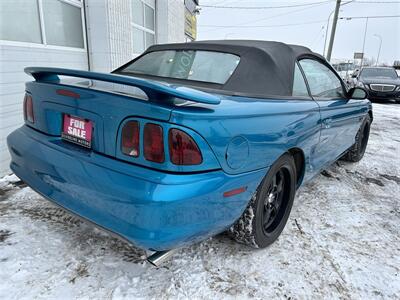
column 345, row 70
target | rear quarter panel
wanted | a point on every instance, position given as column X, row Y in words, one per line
column 248, row 134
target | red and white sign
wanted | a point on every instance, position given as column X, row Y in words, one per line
column 77, row 130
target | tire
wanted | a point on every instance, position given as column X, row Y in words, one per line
column 257, row 228
column 356, row 152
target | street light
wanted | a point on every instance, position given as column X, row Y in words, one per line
column 327, row 29
column 379, row 50
column 365, row 35
column 327, row 24
column 366, row 28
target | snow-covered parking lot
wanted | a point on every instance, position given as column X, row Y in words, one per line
column 341, row 241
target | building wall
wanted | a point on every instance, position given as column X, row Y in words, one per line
column 170, row 21
column 13, row 60
column 120, row 35
column 176, row 21
column 109, row 33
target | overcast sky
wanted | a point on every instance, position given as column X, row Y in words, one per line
column 349, row 33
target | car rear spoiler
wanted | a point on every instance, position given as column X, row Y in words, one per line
column 153, row 89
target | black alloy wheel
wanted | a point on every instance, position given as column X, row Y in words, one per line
column 268, row 211
column 276, row 200
column 357, row 151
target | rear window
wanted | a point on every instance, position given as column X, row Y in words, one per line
column 207, row 66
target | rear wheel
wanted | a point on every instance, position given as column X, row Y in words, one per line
column 356, row 152
column 268, row 211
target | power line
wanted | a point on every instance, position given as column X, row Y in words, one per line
column 264, row 7
column 369, row 17
column 264, row 18
column 378, row 2
column 261, row 26
column 293, row 24
column 292, row 5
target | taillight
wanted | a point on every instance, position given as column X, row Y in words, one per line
column 130, row 139
column 68, row 93
column 28, row 109
column 183, row 150
column 153, row 143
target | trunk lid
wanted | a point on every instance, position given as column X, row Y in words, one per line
column 105, row 100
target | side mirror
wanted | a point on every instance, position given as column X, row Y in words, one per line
column 357, row 93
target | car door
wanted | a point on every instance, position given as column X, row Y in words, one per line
column 340, row 117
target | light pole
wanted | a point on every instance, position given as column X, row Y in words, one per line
column 333, row 31
column 365, row 34
column 327, row 26
column 366, row 28
column 327, row 29
column 379, row 50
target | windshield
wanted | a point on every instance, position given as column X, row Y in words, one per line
column 207, row 66
column 378, row 72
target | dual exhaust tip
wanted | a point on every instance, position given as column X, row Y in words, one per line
column 159, row 257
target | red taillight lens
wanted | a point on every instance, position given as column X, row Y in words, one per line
column 153, row 143
column 183, row 150
column 28, row 109
column 130, row 139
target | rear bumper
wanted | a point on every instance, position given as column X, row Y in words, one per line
column 152, row 209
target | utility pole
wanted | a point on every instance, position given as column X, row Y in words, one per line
column 327, row 25
column 335, row 19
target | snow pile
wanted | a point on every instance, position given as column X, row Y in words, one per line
column 342, row 240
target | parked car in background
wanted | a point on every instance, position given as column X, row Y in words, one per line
column 396, row 66
column 352, row 81
column 345, row 70
column 382, row 83
column 189, row 140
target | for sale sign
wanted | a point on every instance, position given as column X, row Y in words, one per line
column 77, row 130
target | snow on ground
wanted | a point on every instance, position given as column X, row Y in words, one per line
column 341, row 241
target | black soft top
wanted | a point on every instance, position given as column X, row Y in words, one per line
column 266, row 68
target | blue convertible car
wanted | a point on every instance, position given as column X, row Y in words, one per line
column 188, row 140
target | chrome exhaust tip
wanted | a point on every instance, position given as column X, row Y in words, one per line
column 159, row 257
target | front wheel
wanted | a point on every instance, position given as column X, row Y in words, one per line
column 268, row 211
column 356, row 152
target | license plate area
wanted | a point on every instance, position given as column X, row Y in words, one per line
column 77, row 130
